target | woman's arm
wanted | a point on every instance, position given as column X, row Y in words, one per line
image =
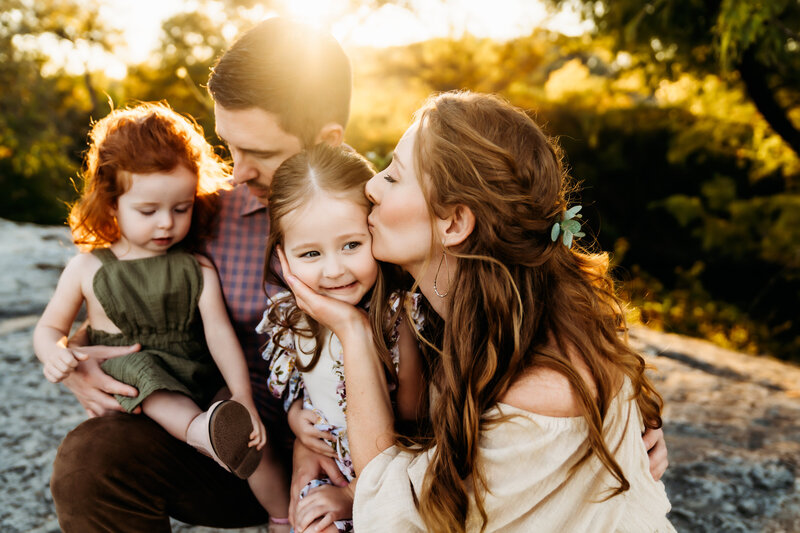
column 225, row 348
column 370, row 421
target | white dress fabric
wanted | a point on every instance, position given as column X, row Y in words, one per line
column 322, row 388
column 527, row 461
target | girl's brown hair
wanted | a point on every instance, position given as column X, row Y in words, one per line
column 319, row 170
column 149, row 137
column 517, row 300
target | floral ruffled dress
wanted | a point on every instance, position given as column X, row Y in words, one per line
column 286, row 381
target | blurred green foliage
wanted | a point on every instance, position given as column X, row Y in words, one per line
column 683, row 177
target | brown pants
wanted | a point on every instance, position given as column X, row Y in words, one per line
column 125, row 473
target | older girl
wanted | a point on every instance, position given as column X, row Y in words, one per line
column 318, row 223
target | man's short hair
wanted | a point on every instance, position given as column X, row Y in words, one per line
column 299, row 73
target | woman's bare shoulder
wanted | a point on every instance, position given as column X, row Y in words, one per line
column 545, row 392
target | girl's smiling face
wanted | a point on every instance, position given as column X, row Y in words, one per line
column 329, row 248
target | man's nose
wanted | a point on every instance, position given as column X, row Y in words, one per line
column 243, row 171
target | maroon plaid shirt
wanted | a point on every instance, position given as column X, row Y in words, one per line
column 237, row 250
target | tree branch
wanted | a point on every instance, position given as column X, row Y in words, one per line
column 754, row 75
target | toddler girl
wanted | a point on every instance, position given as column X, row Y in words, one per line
column 318, row 227
column 147, row 204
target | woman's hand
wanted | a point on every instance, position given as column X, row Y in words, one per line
column 337, row 316
column 302, row 421
column 322, row 506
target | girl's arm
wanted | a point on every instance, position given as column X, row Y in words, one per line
column 52, row 331
column 225, row 348
column 370, row 420
column 410, row 384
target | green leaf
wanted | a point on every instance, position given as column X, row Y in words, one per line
column 567, row 240
column 573, row 226
column 572, row 211
column 555, row 231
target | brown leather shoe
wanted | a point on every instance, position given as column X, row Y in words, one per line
column 223, row 433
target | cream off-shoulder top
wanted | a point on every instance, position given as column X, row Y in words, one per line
column 528, row 463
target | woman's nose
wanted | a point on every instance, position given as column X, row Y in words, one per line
column 371, row 189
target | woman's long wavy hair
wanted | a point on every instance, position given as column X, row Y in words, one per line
column 147, row 138
column 518, row 300
column 324, row 170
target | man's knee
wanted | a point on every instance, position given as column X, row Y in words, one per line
column 93, row 451
column 101, row 477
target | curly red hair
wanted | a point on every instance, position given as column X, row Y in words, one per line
column 146, row 138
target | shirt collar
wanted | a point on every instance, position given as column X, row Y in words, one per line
column 250, row 203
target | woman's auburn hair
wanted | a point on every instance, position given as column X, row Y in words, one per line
column 518, row 300
column 147, row 138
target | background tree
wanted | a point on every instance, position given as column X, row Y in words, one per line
column 755, row 41
column 43, row 119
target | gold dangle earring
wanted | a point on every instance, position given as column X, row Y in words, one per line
column 436, row 277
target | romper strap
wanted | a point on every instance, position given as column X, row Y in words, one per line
column 105, row 255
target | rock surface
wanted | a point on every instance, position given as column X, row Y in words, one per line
column 732, row 421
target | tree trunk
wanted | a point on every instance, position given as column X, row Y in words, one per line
column 754, row 75
column 87, row 78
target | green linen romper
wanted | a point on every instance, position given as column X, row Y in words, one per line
column 153, row 301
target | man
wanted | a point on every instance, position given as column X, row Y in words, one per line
column 281, row 87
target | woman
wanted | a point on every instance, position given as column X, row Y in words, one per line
column 537, row 402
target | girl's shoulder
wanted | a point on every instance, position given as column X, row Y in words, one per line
column 83, row 264
column 202, row 260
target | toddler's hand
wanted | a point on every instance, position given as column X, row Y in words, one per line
column 258, row 437
column 60, row 363
column 301, row 422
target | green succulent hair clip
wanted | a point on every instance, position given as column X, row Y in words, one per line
column 568, row 227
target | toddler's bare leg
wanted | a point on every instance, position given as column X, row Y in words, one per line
column 270, row 486
column 172, row 411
